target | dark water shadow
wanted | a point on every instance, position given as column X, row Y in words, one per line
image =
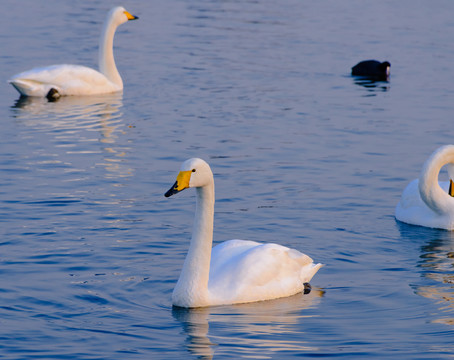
column 372, row 84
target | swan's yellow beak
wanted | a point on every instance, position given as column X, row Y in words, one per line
column 181, row 183
column 451, row 188
column 130, row 16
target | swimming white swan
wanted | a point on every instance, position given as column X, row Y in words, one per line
column 235, row 271
column 57, row 80
column 426, row 201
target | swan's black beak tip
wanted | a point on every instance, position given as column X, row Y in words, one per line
column 172, row 191
column 451, row 188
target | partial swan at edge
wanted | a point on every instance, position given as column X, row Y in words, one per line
column 235, row 271
column 426, row 201
column 59, row 80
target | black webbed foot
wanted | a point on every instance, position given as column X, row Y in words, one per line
column 53, row 95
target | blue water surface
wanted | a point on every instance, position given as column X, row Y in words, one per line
column 303, row 155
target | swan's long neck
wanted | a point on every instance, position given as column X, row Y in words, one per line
column 106, row 58
column 431, row 192
column 193, row 281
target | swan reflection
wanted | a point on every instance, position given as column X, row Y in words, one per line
column 67, row 111
column 438, row 265
column 77, row 124
column 437, row 268
column 246, row 329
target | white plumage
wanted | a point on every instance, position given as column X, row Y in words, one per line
column 235, row 271
column 59, row 80
column 426, row 201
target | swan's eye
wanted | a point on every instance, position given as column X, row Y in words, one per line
column 193, row 170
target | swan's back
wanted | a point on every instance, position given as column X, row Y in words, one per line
column 65, row 78
column 246, row 271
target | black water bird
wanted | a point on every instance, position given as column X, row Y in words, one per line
column 372, row 69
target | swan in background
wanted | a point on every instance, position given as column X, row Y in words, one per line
column 58, row 80
column 426, row 201
column 372, row 69
column 235, row 271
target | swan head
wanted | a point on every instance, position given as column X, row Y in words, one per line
column 120, row 15
column 194, row 172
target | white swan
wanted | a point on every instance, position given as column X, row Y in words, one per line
column 426, row 201
column 239, row 271
column 57, row 80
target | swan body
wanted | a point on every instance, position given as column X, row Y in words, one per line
column 59, row 80
column 426, row 201
column 235, row 271
column 372, row 69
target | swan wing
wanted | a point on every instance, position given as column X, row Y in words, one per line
column 66, row 79
column 410, row 196
column 245, row 271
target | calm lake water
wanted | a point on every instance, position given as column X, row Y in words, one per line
column 303, row 155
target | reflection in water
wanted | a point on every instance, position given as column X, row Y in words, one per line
column 73, row 104
column 437, row 268
column 246, row 329
column 371, row 85
column 438, row 265
column 71, row 118
column 195, row 325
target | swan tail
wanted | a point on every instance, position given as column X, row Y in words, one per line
column 308, row 272
column 30, row 87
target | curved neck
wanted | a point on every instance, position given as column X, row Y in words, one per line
column 431, row 192
column 196, row 269
column 105, row 57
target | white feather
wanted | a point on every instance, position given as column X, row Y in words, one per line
column 77, row 79
column 235, row 271
column 425, row 201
